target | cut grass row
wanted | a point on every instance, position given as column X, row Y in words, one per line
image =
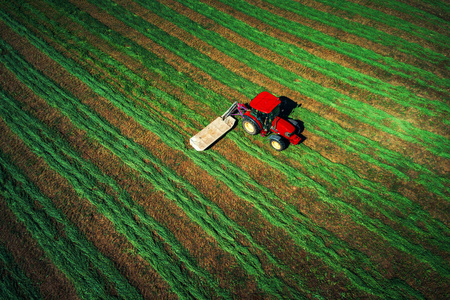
column 407, row 203
column 397, row 44
column 14, row 283
column 411, row 10
column 70, row 252
column 365, row 113
column 84, row 176
column 385, row 63
column 135, row 156
column 393, row 21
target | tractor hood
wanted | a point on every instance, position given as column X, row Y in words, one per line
column 284, row 127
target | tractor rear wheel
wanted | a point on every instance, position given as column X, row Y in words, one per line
column 250, row 126
column 278, row 142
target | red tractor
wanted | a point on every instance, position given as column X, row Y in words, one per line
column 263, row 116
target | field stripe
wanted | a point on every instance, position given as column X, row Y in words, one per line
column 393, row 21
column 217, row 230
column 310, row 89
column 184, row 112
column 410, row 10
column 77, row 252
column 123, row 220
column 356, row 52
column 369, row 33
column 256, row 200
column 334, row 131
column 14, row 283
column 304, row 58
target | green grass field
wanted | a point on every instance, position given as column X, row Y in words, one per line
column 102, row 196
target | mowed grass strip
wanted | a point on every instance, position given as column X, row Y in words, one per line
column 357, row 52
column 30, row 257
column 14, row 283
column 84, row 178
column 357, row 34
column 198, row 59
column 301, row 62
column 420, row 13
column 356, row 11
column 253, row 267
column 316, row 239
column 70, row 252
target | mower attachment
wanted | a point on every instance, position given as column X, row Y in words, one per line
column 214, row 131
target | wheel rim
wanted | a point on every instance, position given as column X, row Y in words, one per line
column 276, row 145
column 249, row 127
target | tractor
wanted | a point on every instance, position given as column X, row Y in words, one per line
column 262, row 115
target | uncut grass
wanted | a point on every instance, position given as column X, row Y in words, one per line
column 94, row 225
column 70, row 252
column 366, row 55
column 316, row 70
column 242, row 250
column 14, row 282
column 164, row 209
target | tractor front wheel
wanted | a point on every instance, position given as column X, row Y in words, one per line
column 250, row 126
column 278, row 142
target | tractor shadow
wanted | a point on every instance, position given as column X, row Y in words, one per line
column 287, row 107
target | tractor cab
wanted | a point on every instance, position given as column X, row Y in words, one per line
column 265, row 108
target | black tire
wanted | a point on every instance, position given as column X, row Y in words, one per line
column 250, row 126
column 278, row 142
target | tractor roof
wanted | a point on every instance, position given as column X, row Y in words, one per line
column 265, row 102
